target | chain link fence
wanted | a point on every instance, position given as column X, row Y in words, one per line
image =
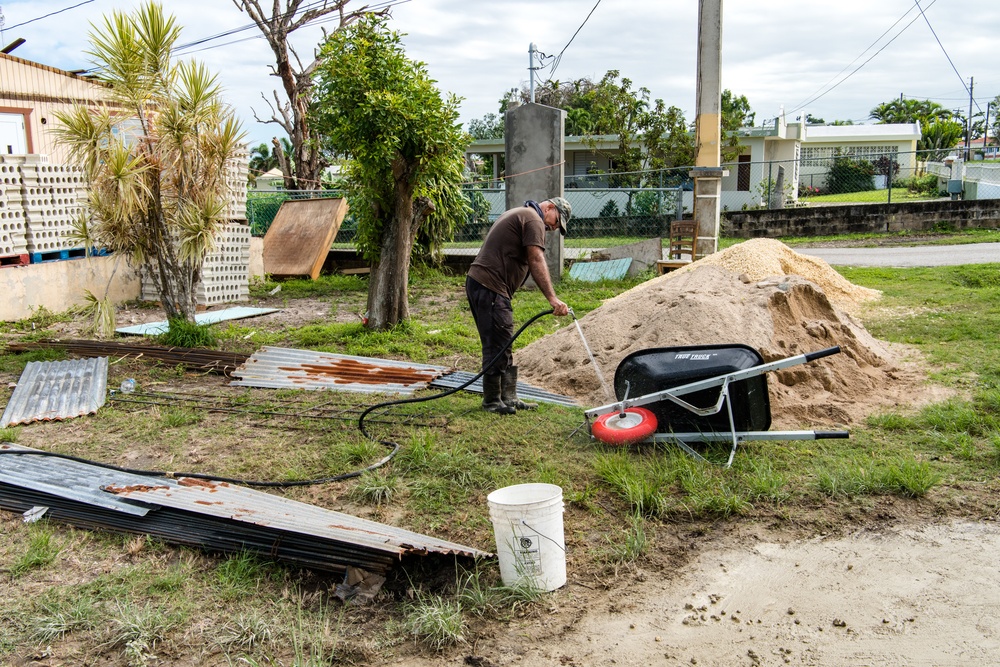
column 262, row 207
column 642, row 205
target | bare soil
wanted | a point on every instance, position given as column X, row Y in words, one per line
column 907, row 593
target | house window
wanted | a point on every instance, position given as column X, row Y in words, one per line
column 821, row 156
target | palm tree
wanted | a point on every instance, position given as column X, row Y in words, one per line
column 155, row 159
column 940, row 128
column 263, row 160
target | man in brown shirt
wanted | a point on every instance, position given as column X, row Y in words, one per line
column 514, row 247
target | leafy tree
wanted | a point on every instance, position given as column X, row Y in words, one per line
column 405, row 150
column 940, row 137
column 736, row 113
column 650, row 134
column 155, row 160
column 303, row 168
column 490, row 126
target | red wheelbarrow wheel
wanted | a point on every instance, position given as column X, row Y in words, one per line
column 616, row 428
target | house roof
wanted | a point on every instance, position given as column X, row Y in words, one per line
column 48, row 68
column 875, row 132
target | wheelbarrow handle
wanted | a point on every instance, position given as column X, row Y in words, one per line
column 831, row 435
column 812, row 356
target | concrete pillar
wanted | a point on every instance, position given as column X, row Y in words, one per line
column 534, row 138
column 708, row 173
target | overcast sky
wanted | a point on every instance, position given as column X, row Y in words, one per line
column 835, row 60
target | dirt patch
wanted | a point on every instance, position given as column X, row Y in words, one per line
column 760, row 294
column 903, row 595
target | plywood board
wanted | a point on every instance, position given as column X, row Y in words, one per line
column 297, row 242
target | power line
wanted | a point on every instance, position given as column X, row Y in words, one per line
column 558, row 58
column 943, row 50
column 855, row 71
column 870, row 46
column 39, row 18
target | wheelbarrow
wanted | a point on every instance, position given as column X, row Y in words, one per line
column 696, row 394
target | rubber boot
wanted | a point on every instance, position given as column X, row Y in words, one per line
column 491, row 396
column 508, row 391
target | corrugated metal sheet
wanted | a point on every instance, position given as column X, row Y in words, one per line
column 210, row 317
column 227, row 501
column 611, row 269
column 51, row 390
column 71, row 480
column 524, row 391
column 276, row 368
column 211, row 515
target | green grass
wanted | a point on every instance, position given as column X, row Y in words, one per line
column 185, row 333
column 41, row 551
column 119, row 601
column 898, row 195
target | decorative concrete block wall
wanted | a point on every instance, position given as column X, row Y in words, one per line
column 52, row 197
column 12, row 239
column 237, row 171
column 225, row 274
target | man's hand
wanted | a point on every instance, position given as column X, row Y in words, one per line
column 558, row 307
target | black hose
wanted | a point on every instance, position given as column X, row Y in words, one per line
column 305, row 482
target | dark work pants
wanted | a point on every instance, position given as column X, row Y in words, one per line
column 495, row 322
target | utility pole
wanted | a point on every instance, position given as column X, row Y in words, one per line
column 968, row 122
column 986, row 129
column 708, row 172
column 531, row 71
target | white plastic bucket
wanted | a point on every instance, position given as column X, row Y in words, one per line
column 528, row 526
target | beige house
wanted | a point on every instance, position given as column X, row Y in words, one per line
column 42, row 263
column 30, row 94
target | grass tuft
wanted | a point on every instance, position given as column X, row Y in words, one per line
column 434, row 621
column 42, row 550
column 182, row 332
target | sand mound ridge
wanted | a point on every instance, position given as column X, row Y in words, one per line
column 777, row 314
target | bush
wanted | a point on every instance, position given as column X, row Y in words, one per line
column 850, row 175
column 925, row 185
column 610, row 210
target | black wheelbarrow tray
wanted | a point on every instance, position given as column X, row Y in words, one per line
column 696, row 394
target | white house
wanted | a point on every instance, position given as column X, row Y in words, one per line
column 800, row 153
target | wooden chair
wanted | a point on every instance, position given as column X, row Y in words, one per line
column 680, row 246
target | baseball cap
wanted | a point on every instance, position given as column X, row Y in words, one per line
column 565, row 211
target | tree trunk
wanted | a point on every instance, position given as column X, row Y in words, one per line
column 388, row 290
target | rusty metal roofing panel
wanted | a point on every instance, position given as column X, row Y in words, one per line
column 524, row 391
column 52, row 390
column 71, row 480
column 236, row 503
column 210, row 515
column 278, row 368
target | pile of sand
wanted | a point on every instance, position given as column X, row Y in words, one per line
column 759, row 293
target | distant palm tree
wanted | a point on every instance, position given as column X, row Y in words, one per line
column 263, row 159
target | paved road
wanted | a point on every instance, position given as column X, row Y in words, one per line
column 928, row 255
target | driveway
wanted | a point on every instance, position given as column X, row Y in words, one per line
column 928, row 255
